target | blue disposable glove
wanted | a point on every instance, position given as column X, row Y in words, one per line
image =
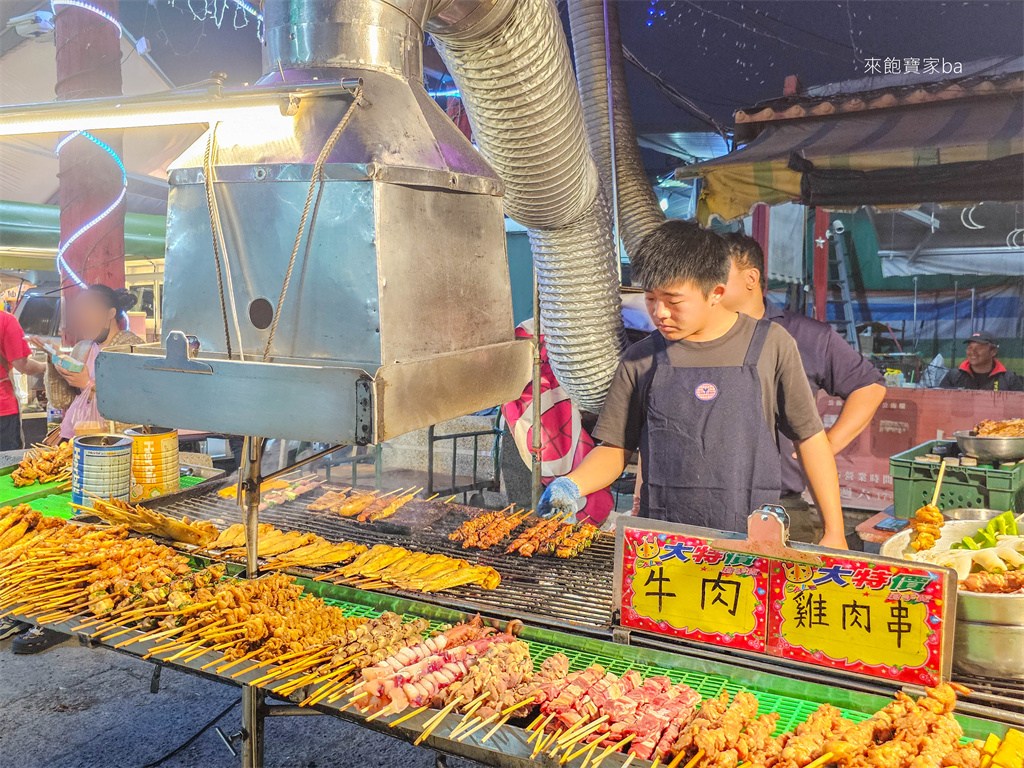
column 562, row 495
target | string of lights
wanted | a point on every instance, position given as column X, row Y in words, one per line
column 216, row 10
column 91, row 9
column 62, row 264
column 759, row 31
column 63, row 267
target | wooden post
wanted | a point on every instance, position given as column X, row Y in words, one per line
column 89, row 65
column 820, row 263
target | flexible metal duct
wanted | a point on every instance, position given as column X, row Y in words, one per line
column 639, row 212
column 510, row 60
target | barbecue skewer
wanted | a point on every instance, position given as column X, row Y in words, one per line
column 821, row 760
column 613, row 748
column 408, row 716
column 436, row 720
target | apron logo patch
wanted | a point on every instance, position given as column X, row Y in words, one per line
column 706, row 392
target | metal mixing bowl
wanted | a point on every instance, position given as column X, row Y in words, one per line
column 988, row 449
column 989, row 650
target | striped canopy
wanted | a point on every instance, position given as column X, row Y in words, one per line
column 957, row 150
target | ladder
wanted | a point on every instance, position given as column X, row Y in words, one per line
column 846, row 325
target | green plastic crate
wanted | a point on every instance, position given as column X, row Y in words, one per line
column 979, row 487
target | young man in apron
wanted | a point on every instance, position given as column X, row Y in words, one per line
column 701, row 398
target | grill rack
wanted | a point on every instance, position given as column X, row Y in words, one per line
column 560, row 593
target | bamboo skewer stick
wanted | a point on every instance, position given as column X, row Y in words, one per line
column 379, row 713
column 298, row 665
column 236, row 662
column 408, row 716
column 577, row 732
column 465, row 722
column 540, row 728
column 436, row 721
column 495, row 729
column 570, row 743
column 590, row 755
column 613, row 748
column 570, row 757
column 692, row 762
column 467, row 718
column 520, row 705
column 828, row 755
column 542, row 743
column 486, row 721
column 326, row 692
column 629, row 760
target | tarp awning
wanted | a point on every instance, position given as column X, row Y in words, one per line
column 984, row 132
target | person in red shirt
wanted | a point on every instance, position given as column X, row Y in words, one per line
column 14, row 356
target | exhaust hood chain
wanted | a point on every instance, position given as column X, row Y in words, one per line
column 597, row 46
column 215, row 232
column 316, row 183
column 512, row 67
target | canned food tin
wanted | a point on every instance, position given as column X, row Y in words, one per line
column 156, row 468
column 100, row 466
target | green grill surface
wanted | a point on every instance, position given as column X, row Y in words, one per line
column 792, row 711
column 10, row 495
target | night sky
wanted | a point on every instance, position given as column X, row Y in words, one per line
column 722, row 54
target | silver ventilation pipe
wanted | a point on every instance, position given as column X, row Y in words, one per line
column 378, row 35
column 598, row 63
column 510, row 61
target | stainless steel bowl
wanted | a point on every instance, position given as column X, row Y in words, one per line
column 989, row 650
column 954, row 530
column 990, row 448
column 962, row 514
column 1005, row 610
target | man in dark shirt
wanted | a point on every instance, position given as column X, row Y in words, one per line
column 702, row 399
column 830, row 363
column 982, row 369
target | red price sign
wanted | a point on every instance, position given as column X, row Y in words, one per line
column 682, row 586
column 867, row 615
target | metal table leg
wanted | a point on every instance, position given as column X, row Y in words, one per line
column 252, row 726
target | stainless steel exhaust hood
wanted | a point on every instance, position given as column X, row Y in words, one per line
column 398, row 311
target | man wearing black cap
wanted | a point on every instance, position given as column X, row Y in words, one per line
column 981, row 369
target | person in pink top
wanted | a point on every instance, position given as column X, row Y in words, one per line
column 98, row 316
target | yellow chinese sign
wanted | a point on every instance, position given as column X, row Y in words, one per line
column 690, row 590
column 859, row 615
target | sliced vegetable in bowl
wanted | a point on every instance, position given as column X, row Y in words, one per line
column 1003, row 525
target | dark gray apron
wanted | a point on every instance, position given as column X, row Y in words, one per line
column 707, row 455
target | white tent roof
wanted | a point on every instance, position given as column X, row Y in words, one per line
column 28, row 166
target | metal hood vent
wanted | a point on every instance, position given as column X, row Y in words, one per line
column 397, row 312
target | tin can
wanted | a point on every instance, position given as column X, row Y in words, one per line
column 101, row 467
column 156, row 466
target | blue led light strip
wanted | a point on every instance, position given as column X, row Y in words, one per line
column 443, row 94
column 249, row 9
column 62, row 264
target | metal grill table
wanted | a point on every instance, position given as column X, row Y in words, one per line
column 571, row 593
